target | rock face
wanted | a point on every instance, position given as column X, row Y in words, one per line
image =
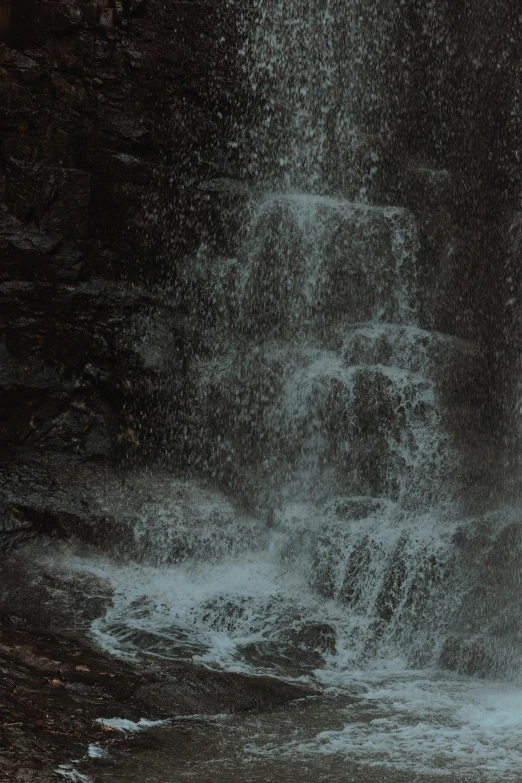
column 453, row 147
column 56, row 691
column 154, row 518
column 119, row 159
column 105, row 105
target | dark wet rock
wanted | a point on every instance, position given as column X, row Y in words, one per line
column 46, row 598
column 364, row 421
column 364, row 272
column 54, row 689
column 316, row 636
column 429, row 575
column 95, row 99
column 281, row 657
column 458, row 369
column 357, row 566
column 54, row 199
column 433, row 194
column 365, row 349
column 271, row 409
column 61, row 499
column 151, row 517
column 62, row 354
column 360, row 273
column 324, row 568
column 192, row 690
column 392, row 591
column 354, row 508
column 294, row 650
column 483, row 627
column 274, row 294
column 473, row 657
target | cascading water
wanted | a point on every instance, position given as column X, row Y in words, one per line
column 319, row 75
column 336, row 553
column 322, row 385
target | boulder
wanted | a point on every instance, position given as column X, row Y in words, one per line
column 295, row 649
column 36, row 597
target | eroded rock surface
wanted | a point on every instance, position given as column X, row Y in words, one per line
column 110, row 111
column 55, row 689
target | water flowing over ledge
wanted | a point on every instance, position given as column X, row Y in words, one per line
column 315, row 508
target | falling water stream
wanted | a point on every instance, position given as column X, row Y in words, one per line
column 321, row 538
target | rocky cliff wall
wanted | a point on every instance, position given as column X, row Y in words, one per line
column 114, row 121
column 119, row 158
column 452, row 155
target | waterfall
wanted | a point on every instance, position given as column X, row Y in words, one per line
column 324, row 524
column 324, row 382
column 323, row 474
column 318, row 75
column 324, row 450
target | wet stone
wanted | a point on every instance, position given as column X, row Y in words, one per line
column 317, row 636
column 392, row 591
column 365, row 349
column 303, row 648
column 357, row 566
column 281, row 657
column 355, row 508
column 468, row 656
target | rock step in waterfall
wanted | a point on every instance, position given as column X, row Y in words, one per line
column 318, row 408
column 321, row 382
column 323, row 527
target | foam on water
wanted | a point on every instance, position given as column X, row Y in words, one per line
column 372, row 580
column 202, row 610
column 428, row 723
column 68, row 772
column 425, row 721
column 376, row 709
column 96, row 751
column 122, row 724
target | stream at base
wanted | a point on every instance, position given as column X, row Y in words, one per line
column 374, row 717
column 402, row 727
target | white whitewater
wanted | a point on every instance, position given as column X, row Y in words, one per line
column 338, row 566
column 319, row 538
